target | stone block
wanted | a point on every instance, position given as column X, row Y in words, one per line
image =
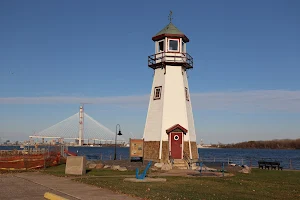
column 115, row 167
column 166, row 167
column 158, row 165
column 99, row 166
column 245, row 170
column 106, row 166
column 92, row 166
column 122, row 169
column 76, row 165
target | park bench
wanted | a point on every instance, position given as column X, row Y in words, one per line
column 269, row 164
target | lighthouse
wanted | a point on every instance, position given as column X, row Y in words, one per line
column 169, row 129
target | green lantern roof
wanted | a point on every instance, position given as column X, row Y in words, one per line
column 170, row 29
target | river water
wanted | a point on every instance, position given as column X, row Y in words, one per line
column 288, row 158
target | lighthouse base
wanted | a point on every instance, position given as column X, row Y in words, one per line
column 152, row 148
column 151, row 151
column 194, row 150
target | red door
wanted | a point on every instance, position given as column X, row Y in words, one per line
column 176, row 145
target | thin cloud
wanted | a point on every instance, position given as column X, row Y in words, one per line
column 120, row 100
column 247, row 101
column 243, row 101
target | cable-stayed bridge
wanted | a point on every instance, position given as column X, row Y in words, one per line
column 80, row 128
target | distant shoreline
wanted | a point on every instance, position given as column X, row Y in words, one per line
column 47, row 145
column 245, row 148
column 287, row 144
column 284, row 144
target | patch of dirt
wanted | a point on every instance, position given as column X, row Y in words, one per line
column 124, row 163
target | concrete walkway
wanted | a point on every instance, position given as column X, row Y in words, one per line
column 61, row 186
column 14, row 188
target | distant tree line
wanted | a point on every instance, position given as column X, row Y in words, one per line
column 268, row 144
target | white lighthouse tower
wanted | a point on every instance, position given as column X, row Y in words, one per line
column 169, row 130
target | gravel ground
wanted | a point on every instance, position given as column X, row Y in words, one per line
column 124, row 163
column 14, row 188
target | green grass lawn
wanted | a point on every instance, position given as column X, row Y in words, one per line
column 260, row 184
column 60, row 171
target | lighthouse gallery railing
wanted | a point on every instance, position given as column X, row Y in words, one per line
column 170, row 58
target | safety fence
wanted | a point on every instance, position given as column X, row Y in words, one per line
column 286, row 163
column 28, row 159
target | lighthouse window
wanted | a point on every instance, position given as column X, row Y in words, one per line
column 186, row 94
column 161, row 46
column 157, row 93
column 173, row 45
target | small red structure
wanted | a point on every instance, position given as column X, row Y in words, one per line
column 176, row 140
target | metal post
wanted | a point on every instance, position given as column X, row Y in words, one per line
column 223, row 169
column 25, row 160
column 200, row 168
column 44, row 160
column 115, row 157
column 118, row 125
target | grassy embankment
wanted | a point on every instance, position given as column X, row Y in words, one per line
column 260, row 184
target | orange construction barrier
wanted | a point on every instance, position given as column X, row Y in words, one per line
column 29, row 161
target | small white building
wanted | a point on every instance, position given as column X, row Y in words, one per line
column 169, row 130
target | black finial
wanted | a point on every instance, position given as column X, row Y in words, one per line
column 170, row 16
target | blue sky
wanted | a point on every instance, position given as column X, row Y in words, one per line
column 55, row 54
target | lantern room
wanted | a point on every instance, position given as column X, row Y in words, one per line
column 170, row 49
